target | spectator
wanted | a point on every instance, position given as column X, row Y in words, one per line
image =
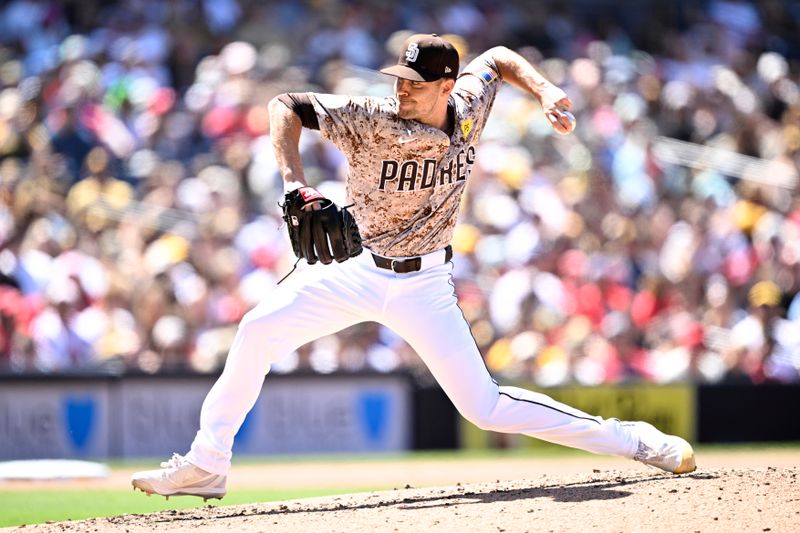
column 135, row 161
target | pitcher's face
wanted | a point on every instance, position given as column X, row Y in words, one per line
column 418, row 100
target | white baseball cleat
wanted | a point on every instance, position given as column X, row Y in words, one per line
column 667, row 452
column 179, row 477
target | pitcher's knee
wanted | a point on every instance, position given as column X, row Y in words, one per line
column 263, row 334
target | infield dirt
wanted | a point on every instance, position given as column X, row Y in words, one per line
column 729, row 493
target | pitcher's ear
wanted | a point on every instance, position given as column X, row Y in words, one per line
column 447, row 86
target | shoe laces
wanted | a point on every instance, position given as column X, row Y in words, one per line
column 176, row 461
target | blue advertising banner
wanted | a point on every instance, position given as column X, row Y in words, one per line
column 154, row 417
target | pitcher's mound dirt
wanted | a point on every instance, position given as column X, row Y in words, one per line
column 712, row 500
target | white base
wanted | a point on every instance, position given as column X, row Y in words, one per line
column 52, row 469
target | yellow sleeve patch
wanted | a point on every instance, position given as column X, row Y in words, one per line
column 466, row 127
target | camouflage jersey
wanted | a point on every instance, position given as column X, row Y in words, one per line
column 406, row 178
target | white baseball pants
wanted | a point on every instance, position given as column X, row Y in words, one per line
column 422, row 308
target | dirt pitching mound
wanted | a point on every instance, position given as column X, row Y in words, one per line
column 712, row 500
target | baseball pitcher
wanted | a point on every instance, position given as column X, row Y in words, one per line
column 386, row 257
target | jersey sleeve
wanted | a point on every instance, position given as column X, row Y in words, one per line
column 476, row 89
column 480, row 79
column 346, row 121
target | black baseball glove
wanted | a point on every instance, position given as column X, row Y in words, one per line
column 325, row 234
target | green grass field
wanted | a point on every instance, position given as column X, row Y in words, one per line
column 18, row 507
column 29, row 507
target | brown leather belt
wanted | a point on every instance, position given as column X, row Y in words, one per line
column 404, row 266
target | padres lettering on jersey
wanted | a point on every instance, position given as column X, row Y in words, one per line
column 412, row 175
column 406, row 178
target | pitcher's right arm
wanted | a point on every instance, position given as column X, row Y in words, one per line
column 285, row 127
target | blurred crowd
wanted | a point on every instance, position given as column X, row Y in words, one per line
column 139, row 212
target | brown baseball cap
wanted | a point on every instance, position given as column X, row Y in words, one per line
column 425, row 57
